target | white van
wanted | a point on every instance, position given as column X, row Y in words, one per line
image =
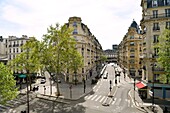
column 105, row 75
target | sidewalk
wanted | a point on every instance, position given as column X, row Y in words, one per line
column 67, row 93
column 140, row 104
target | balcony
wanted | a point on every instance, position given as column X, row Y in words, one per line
column 153, row 17
column 158, row 69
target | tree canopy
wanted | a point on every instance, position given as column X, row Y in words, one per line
column 8, row 90
column 164, row 55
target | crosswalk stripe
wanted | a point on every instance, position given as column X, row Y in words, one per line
column 89, row 96
column 94, row 97
column 86, row 97
column 98, row 98
column 102, row 99
column 14, row 111
column 114, row 101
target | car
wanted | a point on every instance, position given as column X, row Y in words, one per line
column 105, row 75
column 43, row 81
column 59, row 81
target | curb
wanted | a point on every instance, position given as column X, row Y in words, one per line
column 69, row 99
column 134, row 103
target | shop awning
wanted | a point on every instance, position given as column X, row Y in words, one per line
column 140, row 85
column 22, row 76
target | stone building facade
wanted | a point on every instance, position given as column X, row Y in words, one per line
column 129, row 51
column 155, row 18
column 88, row 46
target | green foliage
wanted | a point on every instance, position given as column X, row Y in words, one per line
column 164, row 54
column 103, row 58
column 29, row 59
column 58, row 51
column 7, row 85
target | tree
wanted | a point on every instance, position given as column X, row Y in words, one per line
column 164, row 55
column 8, row 90
column 103, row 58
column 57, row 46
column 75, row 62
column 29, row 60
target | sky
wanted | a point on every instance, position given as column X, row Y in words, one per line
column 108, row 20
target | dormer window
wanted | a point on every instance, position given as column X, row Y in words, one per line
column 75, row 24
column 154, row 3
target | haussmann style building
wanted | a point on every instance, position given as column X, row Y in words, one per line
column 89, row 47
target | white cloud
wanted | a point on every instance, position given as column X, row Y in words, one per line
column 108, row 20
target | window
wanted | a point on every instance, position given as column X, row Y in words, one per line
column 156, row 50
column 17, row 50
column 132, row 43
column 155, row 13
column 132, row 55
column 167, row 12
column 132, row 50
column 9, row 50
column 13, row 50
column 82, row 70
column 168, row 25
column 75, row 24
column 155, row 38
column 154, row 3
column 156, row 26
column 75, row 31
column 131, row 37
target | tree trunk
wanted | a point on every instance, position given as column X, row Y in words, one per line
column 57, row 85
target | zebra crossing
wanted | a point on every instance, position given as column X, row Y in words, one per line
column 102, row 99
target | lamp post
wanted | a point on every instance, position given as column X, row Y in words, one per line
column 84, row 85
column 50, row 86
column 153, row 80
column 153, row 92
column 44, row 89
column 110, row 85
column 134, row 86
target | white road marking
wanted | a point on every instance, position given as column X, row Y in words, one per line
column 14, row 111
column 97, row 89
column 110, row 101
column 94, row 87
column 114, row 101
column 89, row 96
column 102, row 99
column 86, row 97
column 94, row 97
column 98, row 98
column 105, row 100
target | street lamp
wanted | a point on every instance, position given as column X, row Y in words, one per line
column 153, row 80
column 134, row 85
column 44, row 89
column 110, row 85
column 84, row 84
column 50, row 86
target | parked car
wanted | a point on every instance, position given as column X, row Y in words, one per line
column 43, row 81
column 105, row 75
column 59, row 81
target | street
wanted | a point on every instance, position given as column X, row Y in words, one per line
column 95, row 101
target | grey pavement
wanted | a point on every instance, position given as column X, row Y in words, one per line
column 77, row 92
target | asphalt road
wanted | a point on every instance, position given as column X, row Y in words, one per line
column 91, row 103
